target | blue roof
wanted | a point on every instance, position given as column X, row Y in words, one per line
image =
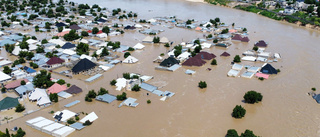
column 29, row 70
column 68, row 45
column 317, row 98
column 93, row 78
column 72, row 103
column 106, row 98
column 24, row 88
column 6, row 41
column 77, row 126
column 148, row 87
column 38, row 56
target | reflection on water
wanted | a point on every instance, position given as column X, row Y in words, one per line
column 286, row 109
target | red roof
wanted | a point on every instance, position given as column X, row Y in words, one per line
column 261, row 43
column 55, row 60
column 89, row 31
column 56, row 88
column 15, row 84
column 194, row 62
column 245, row 39
column 225, row 54
column 205, row 55
column 237, row 37
column 100, row 32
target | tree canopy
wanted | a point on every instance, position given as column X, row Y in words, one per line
column 252, row 97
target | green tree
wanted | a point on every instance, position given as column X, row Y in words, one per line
column 237, row 59
column 127, row 54
column 95, row 30
column 22, row 82
column 42, row 80
column 156, row 40
column 177, row 53
column 54, row 97
column 72, row 35
column 214, row 62
column 3, row 90
column 20, row 108
column 102, row 91
column 92, row 94
column 87, row 123
column 84, row 33
column 82, row 48
column 71, row 121
column 113, row 82
column 215, row 41
column 238, row 112
column 252, row 97
column 7, row 70
column 255, row 48
column 217, row 19
column 248, row 133
column 135, row 88
column 121, row 97
column 197, row 49
column 104, row 52
column 44, row 41
column 148, row 101
column 202, row 84
column 106, row 29
column 310, row 9
column 232, row 133
column 61, row 82
column 126, row 75
column 318, row 11
column 60, row 29
column 40, row 49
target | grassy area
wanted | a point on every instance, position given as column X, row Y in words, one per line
column 265, row 13
column 277, row 10
column 215, row 2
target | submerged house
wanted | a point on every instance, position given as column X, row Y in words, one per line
column 169, row 62
column 225, row 54
column 193, row 61
column 54, row 62
column 268, row 69
column 8, row 103
column 261, row 43
column 205, row 55
column 83, row 65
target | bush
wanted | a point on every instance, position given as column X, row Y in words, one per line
column 261, row 78
column 23, row 82
column 238, row 112
column 68, row 85
column 92, row 94
column 7, row 70
column 214, row 62
column 77, row 118
column 149, row 101
column 127, row 54
column 232, row 133
column 88, row 99
column 278, row 70
column 248, row 133
column 121, row 97
column 252, row 97
column 167, row 45
column 61, row 82
column 102, row 91
column 87, row 123
column 156, row 40
column 313, row 89
column 202, row 84
column 3, row 90
column 131, row 49
column 215, row 41
column 54, row 97
column 113, row 82
column 71, row 121
column 84, row 33
column 255, row 48
column 237, row 59
column 20, row 108
column 126, row 75
column 135, row 88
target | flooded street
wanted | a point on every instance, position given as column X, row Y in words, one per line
column 285, row 111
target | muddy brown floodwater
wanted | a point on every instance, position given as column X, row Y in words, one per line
column 286, row 109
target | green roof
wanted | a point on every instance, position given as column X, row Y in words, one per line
column 8, row 102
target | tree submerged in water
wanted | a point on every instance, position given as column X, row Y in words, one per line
column 252, row 97
column 238, row 112
column 202, row 84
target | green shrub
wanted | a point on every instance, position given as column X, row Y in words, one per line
column 237, row 59
column 71, row 121
column 252, row 97
column 248, row 133
column 214, row 62
column 149, row 101
column 68, row 85
column 121, row 97
column 102, row 91
column 127, row 54
column 87, row 123
column 113, row 82
column 238, row 112
column 126, row 75
column 232, row 133
column 20, row 108
column 313, row 89
column 202, row 84
column 261, row 78
column 255, row 48
column 61, row 82
column 135, row 88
